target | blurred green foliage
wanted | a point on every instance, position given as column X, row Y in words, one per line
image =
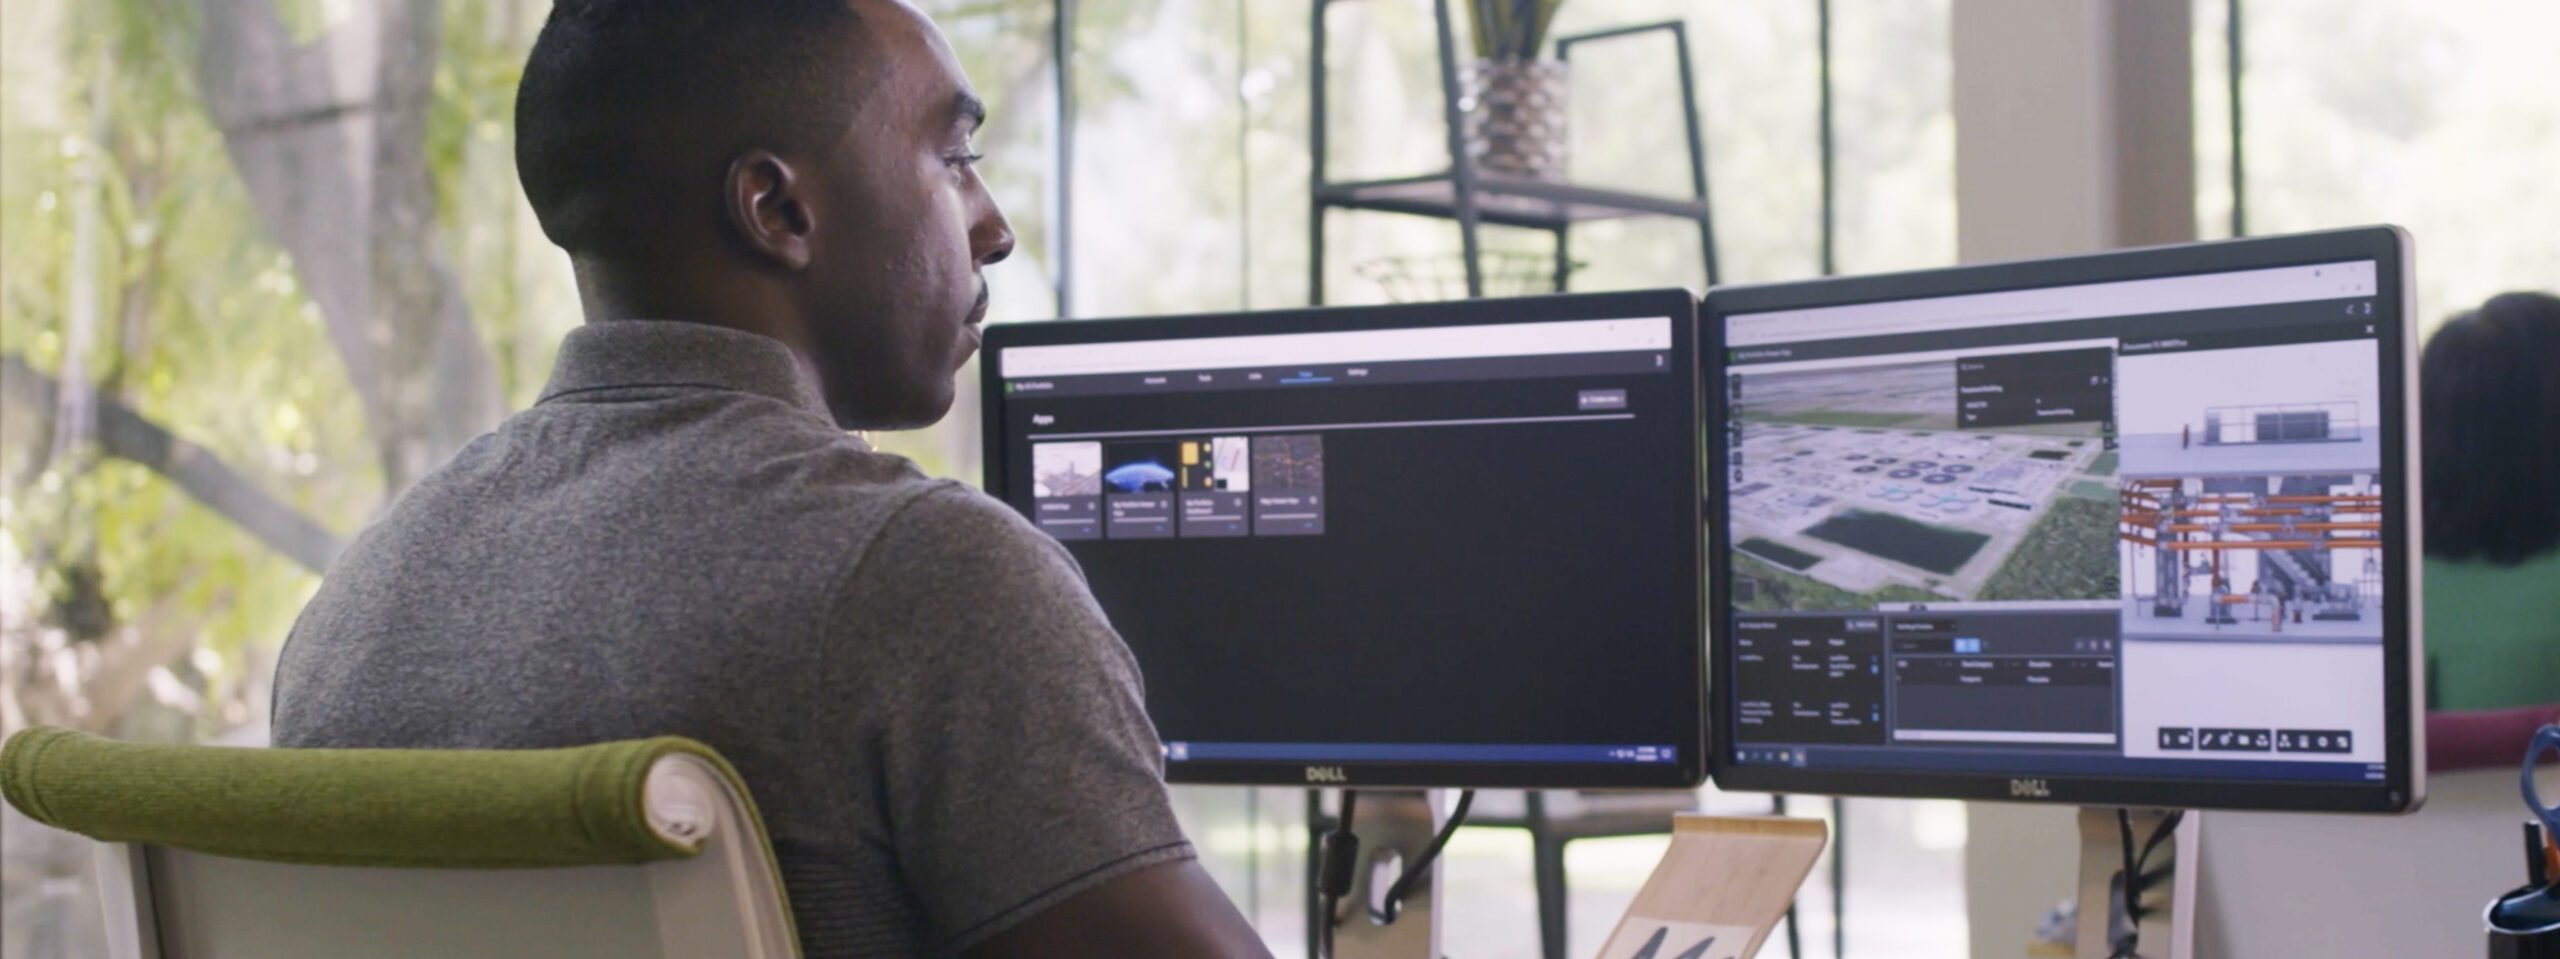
column 128, row 226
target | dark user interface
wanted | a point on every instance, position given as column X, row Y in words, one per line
column 1963, row 539
column 1422, row 559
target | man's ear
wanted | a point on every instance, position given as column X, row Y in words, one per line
column 764, row 203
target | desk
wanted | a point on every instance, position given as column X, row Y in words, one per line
column 2364, row 887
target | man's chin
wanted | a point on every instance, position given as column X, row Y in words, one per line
column 922, row 409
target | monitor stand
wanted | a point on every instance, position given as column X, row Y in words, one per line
column 1394, row 827
column 2169, row 903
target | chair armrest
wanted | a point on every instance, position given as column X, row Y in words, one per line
column 471, row 809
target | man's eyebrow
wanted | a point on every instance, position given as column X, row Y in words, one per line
column 968, row 111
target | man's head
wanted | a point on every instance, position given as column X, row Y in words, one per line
column 801, row 169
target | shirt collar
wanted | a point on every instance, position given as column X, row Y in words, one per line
column 621, row 354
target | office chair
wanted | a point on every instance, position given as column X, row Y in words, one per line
column 640, row 848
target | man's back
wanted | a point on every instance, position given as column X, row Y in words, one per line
column 942, row 731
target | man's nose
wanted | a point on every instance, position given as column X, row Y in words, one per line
column 992, row 239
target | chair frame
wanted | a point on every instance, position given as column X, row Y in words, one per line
column 725, row 901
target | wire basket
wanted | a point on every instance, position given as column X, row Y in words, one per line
column 1426, row 279
column 1515, row 118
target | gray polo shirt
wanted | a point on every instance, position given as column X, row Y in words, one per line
column 942, row 731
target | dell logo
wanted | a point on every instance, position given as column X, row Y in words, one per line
column 2030, row 788
column 1326, row 774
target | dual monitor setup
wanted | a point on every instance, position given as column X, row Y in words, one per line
column 2132, row 529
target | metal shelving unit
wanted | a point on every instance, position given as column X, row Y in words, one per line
column 1473, row 198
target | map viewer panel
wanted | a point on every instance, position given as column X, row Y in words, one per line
column 1963, row 479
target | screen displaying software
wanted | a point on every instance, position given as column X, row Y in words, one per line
column 1450, row 544
column 2127, row 529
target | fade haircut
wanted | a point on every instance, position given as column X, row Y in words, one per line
column 2489, row 390
column 629, row 106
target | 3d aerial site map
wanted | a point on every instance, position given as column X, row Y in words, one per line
column 1858, row 486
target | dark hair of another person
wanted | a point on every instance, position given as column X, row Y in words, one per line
column 2489, row 388
column 625, row 104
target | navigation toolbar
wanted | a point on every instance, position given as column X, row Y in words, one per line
column 1313, row 375
column 1417, row 753
column 1559, row 338
column 2289, row 284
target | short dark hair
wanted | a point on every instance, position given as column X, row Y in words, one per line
column 617, row 92
column 2489, row 391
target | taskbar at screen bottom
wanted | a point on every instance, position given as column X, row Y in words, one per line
column 1889, row 760
column 1434, row 765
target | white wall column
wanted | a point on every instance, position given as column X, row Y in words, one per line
column 2074, row 133
column 2075, row 126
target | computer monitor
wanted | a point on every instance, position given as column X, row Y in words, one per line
column 2129, row 529
column 1436, row 545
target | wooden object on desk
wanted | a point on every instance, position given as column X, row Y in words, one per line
column 1726, row 878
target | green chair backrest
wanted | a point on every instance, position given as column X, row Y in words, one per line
column 642, row 848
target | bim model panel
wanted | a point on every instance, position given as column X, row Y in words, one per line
column 1442, row 545
column 2128, row 530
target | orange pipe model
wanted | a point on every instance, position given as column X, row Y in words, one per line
column 2351, row 543
column 2276, row 528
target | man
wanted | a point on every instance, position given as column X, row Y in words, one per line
column 777, row 234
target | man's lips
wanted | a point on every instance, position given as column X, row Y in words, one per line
column 978, row 310
column 973, row 334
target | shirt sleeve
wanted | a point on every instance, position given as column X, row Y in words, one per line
column 1018, row 764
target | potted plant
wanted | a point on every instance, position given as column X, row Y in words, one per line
column 1515, row 105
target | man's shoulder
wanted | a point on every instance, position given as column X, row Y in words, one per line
column 953, row 532
column 958, row 564
column 962, row 515
column 631, row 514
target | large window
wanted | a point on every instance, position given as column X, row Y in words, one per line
column 2437, row 115
column 217, row 366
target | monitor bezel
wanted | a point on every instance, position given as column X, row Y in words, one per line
column 2402, row 787
column 1680, row 305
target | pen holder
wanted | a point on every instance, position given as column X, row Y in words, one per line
column 2525, row 924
